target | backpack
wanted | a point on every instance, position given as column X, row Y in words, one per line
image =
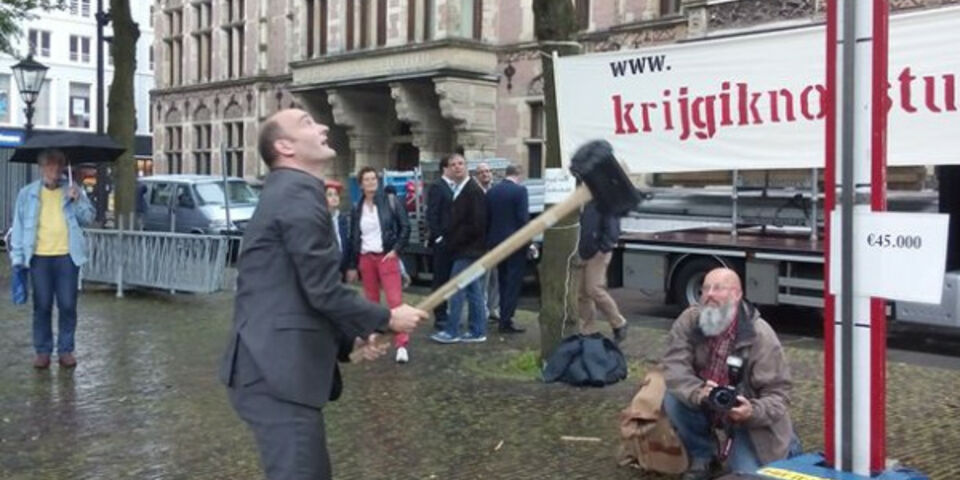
column 647, row 439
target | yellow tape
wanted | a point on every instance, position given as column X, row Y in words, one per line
column 787, row 474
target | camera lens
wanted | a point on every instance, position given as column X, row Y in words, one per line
column 723, row 398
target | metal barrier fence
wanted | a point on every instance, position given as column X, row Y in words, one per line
column 168, row 261
column 13, row 176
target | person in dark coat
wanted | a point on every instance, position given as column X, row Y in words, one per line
column 508, row 210
column 599, row 233
column 466, row 236
column 293, row 317
column 341, row 223
column 439, row 202
column 379, row 232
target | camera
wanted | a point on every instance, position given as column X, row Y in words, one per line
column 722, row 398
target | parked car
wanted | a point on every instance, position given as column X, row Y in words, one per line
column 196, row 204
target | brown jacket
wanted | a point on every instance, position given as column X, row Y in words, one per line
column 766, row 376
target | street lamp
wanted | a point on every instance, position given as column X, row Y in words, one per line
column 29, row 74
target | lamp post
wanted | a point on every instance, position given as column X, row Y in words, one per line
column 29, row 75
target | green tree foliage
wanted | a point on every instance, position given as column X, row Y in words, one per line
column 13, row 13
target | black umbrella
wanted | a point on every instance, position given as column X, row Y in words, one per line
column 78, row 147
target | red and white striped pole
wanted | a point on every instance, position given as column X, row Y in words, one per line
column 855, row 326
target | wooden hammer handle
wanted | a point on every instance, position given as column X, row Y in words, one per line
column 491, row 259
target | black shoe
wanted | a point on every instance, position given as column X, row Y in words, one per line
column 620, row 334
column 511, row 329
column 699, row 470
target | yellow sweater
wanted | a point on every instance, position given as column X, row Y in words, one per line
column 52, row 236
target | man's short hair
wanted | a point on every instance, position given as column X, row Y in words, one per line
column 270, row 132
column 445, row 160
column 51, row 154
column 512, row 170
column 365, row 170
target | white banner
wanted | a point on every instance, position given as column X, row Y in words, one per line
column 756, row 101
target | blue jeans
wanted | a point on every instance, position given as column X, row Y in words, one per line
column 54, row 277
column 474, row 295
column 695, row 430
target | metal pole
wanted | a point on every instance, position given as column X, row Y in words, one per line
column 846, row 234
column 28, row 128
column 814, row 200
column 101, row 190
column 226, row 186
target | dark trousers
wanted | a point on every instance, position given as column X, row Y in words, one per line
column 442, row 264
column 510, row 273
column 54, row 277
column 291, row 438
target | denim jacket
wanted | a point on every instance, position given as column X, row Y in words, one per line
column 26, row 217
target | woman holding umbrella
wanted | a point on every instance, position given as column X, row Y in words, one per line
column 47, row 238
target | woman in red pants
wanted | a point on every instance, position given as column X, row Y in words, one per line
column 379, row 232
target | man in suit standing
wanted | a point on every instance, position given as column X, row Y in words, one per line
column 439, row 204
column 508, row 211
column 293, row 317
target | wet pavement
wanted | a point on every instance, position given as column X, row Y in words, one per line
column 144, row 403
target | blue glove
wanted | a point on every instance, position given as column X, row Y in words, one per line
column 19, row 285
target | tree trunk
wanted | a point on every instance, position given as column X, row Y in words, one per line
column 122, row 125
column 555, row 23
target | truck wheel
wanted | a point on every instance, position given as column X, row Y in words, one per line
column 686, row 281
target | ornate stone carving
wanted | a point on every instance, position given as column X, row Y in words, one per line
column 535, row 89
column 649, row 35
column 744, row 13
column 417, row 104
column 471, row 106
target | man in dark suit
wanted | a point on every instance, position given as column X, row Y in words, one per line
column 508, row 210
column 293, row 317
column 439, row 204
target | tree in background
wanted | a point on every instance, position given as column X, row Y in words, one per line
column 13, row 13
column 555, row 24
column 123, row 115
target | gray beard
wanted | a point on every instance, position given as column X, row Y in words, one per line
column 715, row 320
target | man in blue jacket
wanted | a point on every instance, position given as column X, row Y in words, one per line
column 508, row 211
column 47, row 238
column 599, row 233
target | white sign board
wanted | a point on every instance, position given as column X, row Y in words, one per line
column 897, row 256
column 756, row 101
column 558, row 184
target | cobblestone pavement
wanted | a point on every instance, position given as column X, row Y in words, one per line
column 144, row 403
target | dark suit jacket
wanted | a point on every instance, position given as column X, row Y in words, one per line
column 344, row 228
column 291, row 312
column 439, row 201
column 508, row 210
column 468, row 222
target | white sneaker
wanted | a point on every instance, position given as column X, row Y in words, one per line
column 402, row 355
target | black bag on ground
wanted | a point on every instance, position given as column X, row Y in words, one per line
column 586, row 360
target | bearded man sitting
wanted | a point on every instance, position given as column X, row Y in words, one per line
column 723, row 342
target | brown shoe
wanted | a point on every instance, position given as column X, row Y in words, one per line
column 67, row 360
column 42, row 361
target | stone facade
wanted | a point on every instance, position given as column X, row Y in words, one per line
column 400, row 87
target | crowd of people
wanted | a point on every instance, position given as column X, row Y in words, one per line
column 295, row 316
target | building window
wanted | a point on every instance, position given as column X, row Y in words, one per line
column 79, row 49
column 150, row 55
column 174, row 149
column 202, row 151
column 174, row 44
column 365, row 8
column 203, row 40
column 471, row 19
column 151, row 16
column 234, row 30
column 381, row 22
column 79, row 106
column 316, row 17
column 428, row 7
column 669, row 7
column 535, row 143
column 39, row 41
column 350, row 27
column 234, row 147
column 42, row 107
column 4, row 98
column 85, row 8
column 583, row 14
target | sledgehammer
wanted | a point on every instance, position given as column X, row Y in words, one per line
column 602, row 179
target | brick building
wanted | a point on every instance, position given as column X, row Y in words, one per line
column 400, row 82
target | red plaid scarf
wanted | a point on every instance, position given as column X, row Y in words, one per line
column 720, row 347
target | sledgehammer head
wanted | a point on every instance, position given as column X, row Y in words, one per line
column 595, row 165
